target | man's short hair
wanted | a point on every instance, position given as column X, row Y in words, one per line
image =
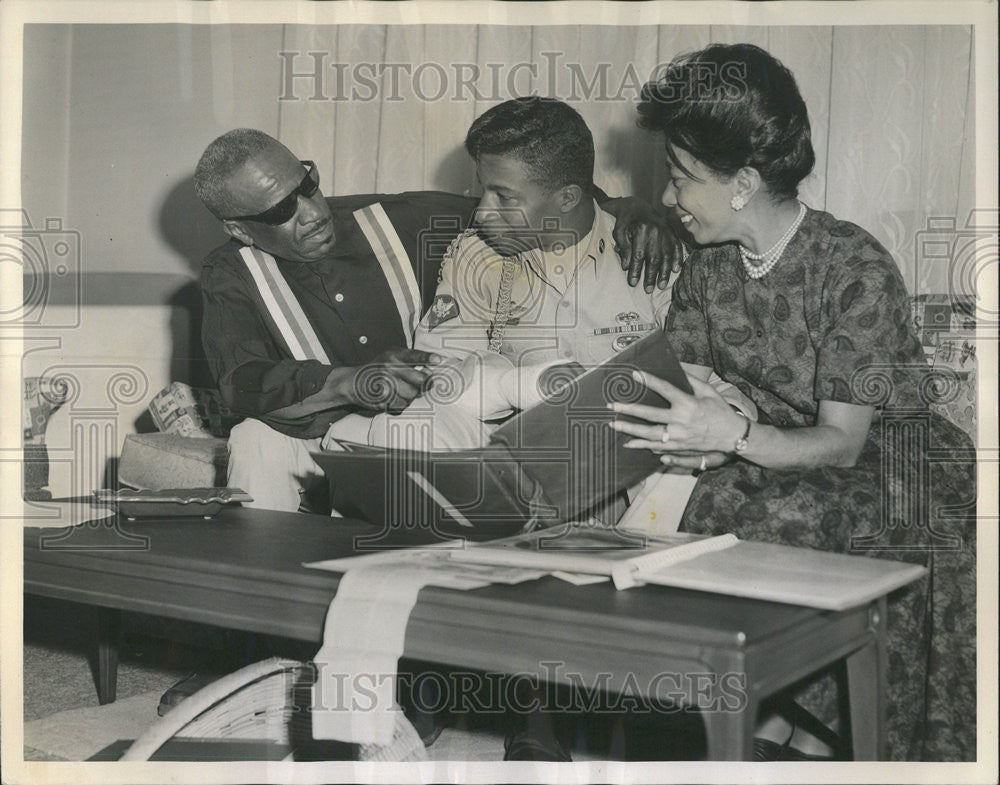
column 223, row 156
column 549, row 137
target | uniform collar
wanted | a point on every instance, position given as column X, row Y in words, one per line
column 591, row 246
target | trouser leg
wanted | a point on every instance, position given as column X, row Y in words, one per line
column 273, row 468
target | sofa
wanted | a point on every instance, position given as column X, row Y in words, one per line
column 190, row 448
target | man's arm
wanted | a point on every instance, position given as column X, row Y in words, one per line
column 253, row 376
column 457, row 324
column 388, row 383
column 644, row 238
column 298, row 398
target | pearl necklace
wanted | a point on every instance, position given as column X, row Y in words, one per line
column 770, row 257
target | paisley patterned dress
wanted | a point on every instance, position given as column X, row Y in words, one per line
column 832, row 322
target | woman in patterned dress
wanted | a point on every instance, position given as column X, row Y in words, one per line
column 808, row 316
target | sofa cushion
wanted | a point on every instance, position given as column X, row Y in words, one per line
column 191, row 411
column 155, row 461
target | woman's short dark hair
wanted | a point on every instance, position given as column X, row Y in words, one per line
column 548, row 136
column 732, row 106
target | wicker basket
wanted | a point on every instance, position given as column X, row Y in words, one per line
column 267, row 701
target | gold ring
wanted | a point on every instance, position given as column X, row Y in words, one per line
column 666, row 433
column 704, row 463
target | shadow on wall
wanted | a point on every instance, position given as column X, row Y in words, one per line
column 637, row 155
column 456, row 174
column 192, row 232
column 186, row 361
column 190, row 229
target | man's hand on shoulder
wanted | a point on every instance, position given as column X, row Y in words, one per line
column 646, row 240
column 387, row 384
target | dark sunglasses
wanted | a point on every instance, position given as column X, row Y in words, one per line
column 285, row 209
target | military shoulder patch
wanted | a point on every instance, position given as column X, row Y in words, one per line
column 442, row 309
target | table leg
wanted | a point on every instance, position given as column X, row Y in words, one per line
column 109, row 624
column 866, row 671
column 730, row 733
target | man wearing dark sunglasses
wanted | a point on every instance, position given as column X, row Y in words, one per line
column 284, row 209
column 311, row 307
column 310, row 237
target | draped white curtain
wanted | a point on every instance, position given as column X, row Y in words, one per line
column 891, row 110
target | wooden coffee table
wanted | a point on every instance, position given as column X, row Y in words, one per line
column 243, row 570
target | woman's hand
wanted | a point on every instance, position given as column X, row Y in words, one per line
column 702, row 422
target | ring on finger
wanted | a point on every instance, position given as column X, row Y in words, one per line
column 704, row 463
column 665, row 436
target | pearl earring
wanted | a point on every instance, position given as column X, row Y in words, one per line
column 737, row 203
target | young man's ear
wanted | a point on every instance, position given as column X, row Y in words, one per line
column 568, row 197
column 235, row 229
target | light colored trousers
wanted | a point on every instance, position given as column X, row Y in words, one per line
column 276, row 470
column 273, row 468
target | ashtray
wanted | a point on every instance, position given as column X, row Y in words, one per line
column 172, row 502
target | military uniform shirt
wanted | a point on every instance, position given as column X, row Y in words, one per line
column 571, row 302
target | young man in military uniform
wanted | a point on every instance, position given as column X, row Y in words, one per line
column 536, row 282
column 312, row 298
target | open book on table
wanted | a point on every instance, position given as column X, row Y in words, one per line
column 722, row 565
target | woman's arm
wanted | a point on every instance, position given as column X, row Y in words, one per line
column 729, row 392
column 705, row 422
column 836, row 439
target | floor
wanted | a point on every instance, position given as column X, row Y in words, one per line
column 63, row 720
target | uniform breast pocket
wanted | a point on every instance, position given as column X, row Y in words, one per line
column 625, row 340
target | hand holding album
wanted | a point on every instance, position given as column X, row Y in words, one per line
column 465, row 395
column 460, row 398
column 551, row 463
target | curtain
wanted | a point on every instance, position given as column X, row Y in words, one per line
column 386, row 108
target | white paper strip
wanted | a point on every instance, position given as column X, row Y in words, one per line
column 362, row 641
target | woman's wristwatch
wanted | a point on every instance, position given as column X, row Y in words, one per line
column 741, row 443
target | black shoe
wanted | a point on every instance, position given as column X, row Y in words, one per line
column 523, row 745
column 429, row 724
